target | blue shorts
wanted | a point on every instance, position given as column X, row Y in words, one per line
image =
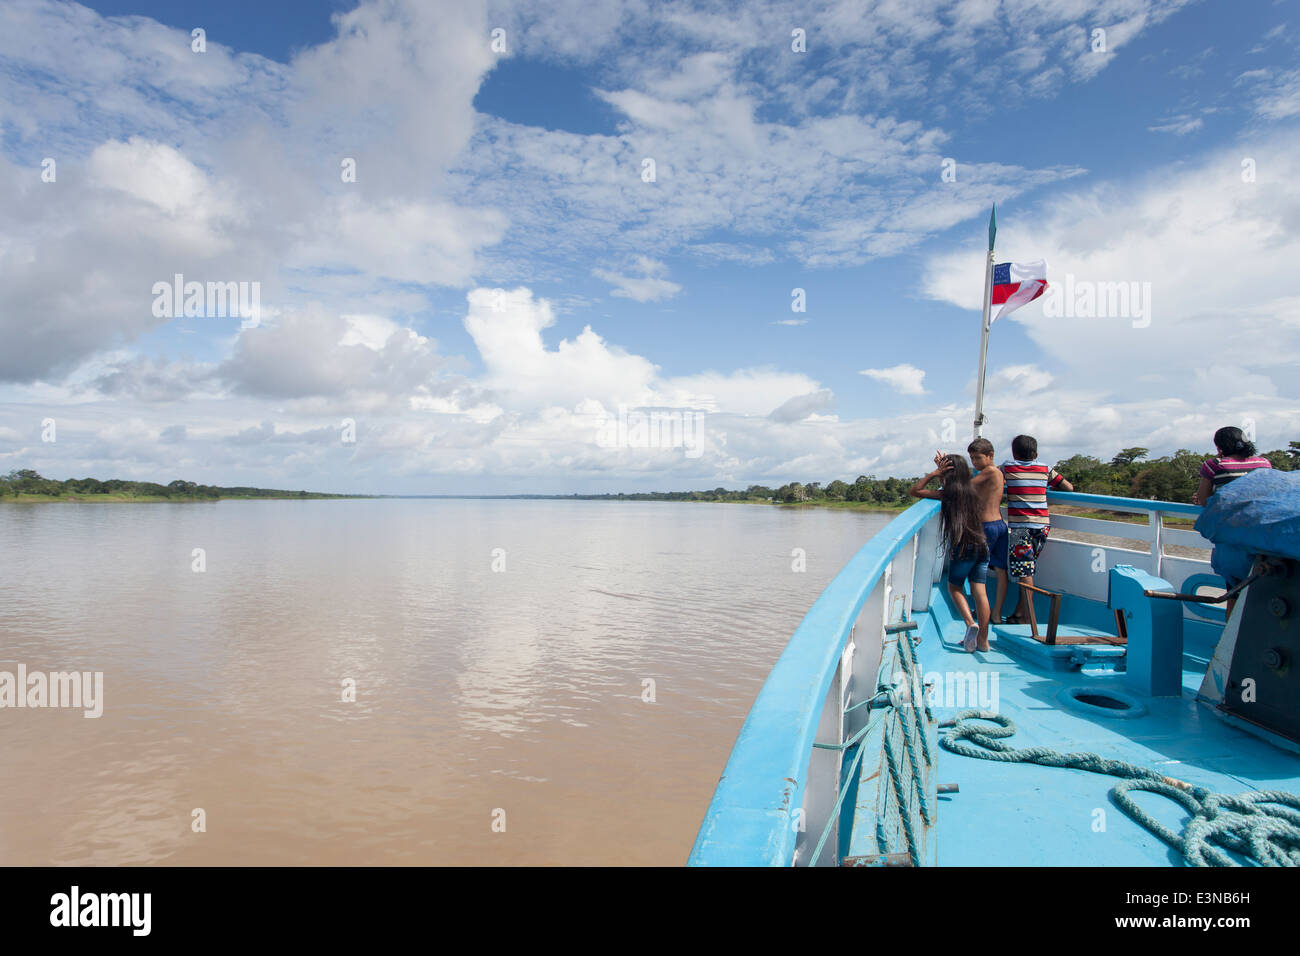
column 964, row 567
column 995, row 535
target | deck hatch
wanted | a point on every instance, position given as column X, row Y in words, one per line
column 1101, row 703
column 1101, row 700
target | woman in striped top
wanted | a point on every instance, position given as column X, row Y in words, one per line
column 1236, row 457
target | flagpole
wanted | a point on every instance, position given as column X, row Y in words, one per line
column 984, row 326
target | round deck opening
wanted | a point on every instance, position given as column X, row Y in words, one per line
column 1101, row 700
column 1102, row 703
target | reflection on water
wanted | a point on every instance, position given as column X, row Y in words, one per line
column 477, row 690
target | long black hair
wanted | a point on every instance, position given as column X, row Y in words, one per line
column 959, row 511
column 1232, row 443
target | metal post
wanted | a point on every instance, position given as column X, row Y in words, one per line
column 984, row 325
column 984, row 346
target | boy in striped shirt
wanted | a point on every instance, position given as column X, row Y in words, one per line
column 1028, row 520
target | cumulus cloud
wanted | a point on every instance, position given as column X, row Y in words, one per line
column 1025, row 379
column 507, row 330
column 803, row 406
column 315, row 353
column 69, row 285
column 904, row 379
column 226, row 167
column 507, row 327
column 151, row 379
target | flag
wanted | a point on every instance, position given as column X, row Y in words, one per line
column 1015, row 283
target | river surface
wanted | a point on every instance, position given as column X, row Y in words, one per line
column 502, row 656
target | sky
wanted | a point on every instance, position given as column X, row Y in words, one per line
column 479, row 246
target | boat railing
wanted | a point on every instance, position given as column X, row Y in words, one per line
column 1080, row 567
column 777, row 794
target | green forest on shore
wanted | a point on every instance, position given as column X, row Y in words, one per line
column 27, row 485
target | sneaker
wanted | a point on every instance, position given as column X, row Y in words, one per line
column 972, row 633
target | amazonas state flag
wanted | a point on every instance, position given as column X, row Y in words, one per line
column 1015, row 283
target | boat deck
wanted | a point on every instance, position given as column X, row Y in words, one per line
column 1028, row 815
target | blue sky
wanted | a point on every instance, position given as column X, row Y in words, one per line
column 521, row 171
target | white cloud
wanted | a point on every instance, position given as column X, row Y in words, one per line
column 803, row 407
column 314, row 353
column 722, row 164
column 266, row 202
column 1026, row 379
column 1281, row 99
column 507, row 330
column 649, row 286
column 1179, row 126
column 754, row 391
column 904, row 379
column 410, row 241
column 507, row 327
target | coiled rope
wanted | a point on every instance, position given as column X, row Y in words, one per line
column 1261, row 825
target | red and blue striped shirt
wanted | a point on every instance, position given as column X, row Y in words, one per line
column 1027, row 484
column 1220, row 471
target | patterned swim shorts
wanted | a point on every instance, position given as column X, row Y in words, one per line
column 1026, row 543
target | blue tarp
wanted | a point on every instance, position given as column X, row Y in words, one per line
column 1258, row 513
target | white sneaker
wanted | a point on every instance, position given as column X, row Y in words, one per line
column 972, row 635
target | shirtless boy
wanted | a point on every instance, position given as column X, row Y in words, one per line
column 988, row 483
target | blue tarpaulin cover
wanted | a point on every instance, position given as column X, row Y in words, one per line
column 1256, row 513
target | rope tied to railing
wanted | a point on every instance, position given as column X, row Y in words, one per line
column 1263, row 825
column 896, row 778
column 909, row 669
column 879, row 707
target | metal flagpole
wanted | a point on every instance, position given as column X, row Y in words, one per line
column 984, row 326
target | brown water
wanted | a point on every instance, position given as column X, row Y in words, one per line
column 477, row 691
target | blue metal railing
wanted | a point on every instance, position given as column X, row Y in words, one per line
column 748, row 823
column 1107, row 502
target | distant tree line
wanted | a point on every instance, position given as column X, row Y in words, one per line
column 1130, row 474
column 866, row 489
column 28, row 482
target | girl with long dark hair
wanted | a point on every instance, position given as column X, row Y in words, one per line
column 962, row 531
